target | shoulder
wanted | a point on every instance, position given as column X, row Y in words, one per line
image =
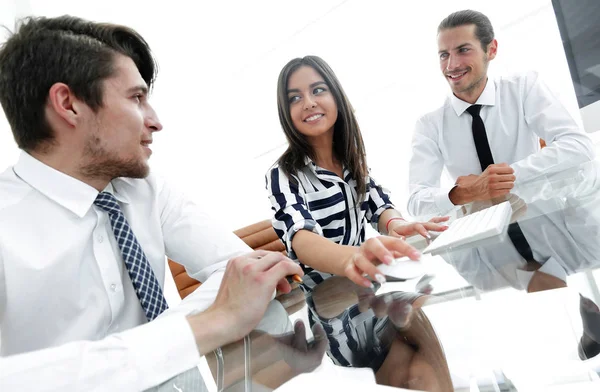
column 517, row 81
column 12, row 189
column 277, row 174
column 151, row 189
column 431, row 121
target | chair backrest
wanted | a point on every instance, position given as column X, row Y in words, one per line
column 260, row 235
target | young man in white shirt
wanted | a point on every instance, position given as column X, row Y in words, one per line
column 515, row 112
column 85, row 227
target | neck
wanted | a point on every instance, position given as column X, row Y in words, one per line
column 69, row 165
column 472, row 94
column 323, row 150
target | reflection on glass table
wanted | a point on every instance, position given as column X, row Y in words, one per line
column 480, row 318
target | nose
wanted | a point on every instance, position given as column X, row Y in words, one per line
column 152, row 122
column 452, row 63
column 309, row 103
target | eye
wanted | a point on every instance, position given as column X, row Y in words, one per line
column 319, row 90
column 443, row 56
column 463, row 50
column 138, row 98
column 293, row 98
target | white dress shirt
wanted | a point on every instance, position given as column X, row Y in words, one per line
column 62, row 277
column 517, row 111
column 134, row 360
column 561, row 224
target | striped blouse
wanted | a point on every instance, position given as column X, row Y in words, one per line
column 318, row 200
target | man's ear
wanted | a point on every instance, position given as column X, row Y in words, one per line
column 492, row 49
column 63, row 103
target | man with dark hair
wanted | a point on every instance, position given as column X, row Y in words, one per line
column 85, row 228
column 515, row 111
column 487, row 136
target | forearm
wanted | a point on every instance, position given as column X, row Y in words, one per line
column 320, row 253
column 568, row 152
column 426, row 200
column 460, row 195
column 213, row 328
column 385, row 217
column 136, row 359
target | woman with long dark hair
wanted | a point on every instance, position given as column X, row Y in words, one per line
column 323, row 196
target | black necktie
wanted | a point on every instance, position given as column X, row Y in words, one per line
column 485, row 159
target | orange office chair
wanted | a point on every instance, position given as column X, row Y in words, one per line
column 259, row 235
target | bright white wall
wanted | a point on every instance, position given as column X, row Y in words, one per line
column 219, row 62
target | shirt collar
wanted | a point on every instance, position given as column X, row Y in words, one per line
column 487, row 97
column 308, row 161
column 59, row 187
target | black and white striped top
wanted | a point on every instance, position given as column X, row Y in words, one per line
column 318, row 200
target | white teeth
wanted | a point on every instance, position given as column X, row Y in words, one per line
column 312, row 118
column 454, row 76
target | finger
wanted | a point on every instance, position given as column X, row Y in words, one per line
column 279, row 270
column 438, row 219
column 501, row 185
column 397, row 254
column 299, row 340
column 434, row 226
column 365, row 297
column 500, row 169
column 363, row 263
column 319, row 332
column 404, row 249
column 375, row 248
column 320, row 342
column 399, row 313
column 283, row 286
column 356, row 276
column 267, row 260
column 419, row 228
column 502, row 178
column 380, row 305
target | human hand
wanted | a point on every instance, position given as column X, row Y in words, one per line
column 374, row 251
column 397, row 305
column 402, row 229
column 248, row 286
column 496, row 180
column 301, row 355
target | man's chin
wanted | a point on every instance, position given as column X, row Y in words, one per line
column 141, row 171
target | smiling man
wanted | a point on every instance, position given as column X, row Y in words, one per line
column 487, row 134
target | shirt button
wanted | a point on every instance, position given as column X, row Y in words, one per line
column 100, row 239
column 113, row 287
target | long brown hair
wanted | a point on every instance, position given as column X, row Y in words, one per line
column 348, row 146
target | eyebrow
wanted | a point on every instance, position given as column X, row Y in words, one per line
column 457, row 48
column 315, row 84
column 140, row 88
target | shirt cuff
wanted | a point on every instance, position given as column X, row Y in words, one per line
column 552, row 267
column 306, row 224
column 442, row 200
column 377, row 215
column 161, row 349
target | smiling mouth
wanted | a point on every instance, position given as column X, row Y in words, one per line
column 456, row 75
column 314, row 117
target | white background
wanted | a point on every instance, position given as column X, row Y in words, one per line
column 219, row 62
